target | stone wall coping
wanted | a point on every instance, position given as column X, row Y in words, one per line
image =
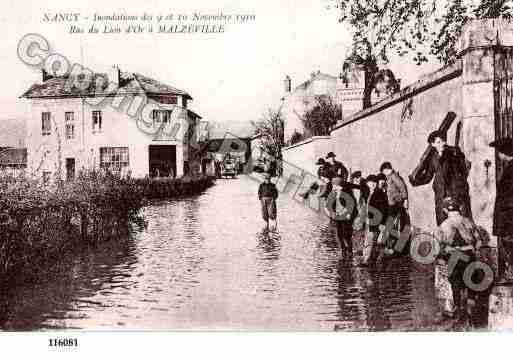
column 424, row 83
column 304, row 142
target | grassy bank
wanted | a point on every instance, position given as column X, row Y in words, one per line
column 40, row 224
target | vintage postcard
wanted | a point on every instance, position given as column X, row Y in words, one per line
column 313, row 165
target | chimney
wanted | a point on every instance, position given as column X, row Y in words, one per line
column 114, row 75
column 288, row 84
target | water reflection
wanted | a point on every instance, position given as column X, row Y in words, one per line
column 204, row 263
column 63, row 291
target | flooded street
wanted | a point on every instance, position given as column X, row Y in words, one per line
column 203, row 264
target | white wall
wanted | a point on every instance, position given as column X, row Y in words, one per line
column 398, row 134
column 299, row 160
column 118, row 130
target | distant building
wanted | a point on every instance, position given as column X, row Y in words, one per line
column 346, row 90
column 296, row 102
column 68, row 132
column 13, row 161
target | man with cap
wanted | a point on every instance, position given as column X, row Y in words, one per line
column 458, row 236
column 359, row 191
column 341, row 208
column 267, row 195
column 503, row 212
column 337, row 169
column 382, row 182
column 323, row 169
column 397, row 194
column 448, row 169
column 377, row 207
column 397, row 191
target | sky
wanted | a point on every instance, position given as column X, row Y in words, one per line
column 233, row 77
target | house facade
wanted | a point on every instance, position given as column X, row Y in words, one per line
column 345, row 90
column 296, row 102
column 140, row 128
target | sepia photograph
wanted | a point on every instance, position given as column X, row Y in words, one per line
column 259, row 166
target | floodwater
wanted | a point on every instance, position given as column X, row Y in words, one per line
column 202, row 263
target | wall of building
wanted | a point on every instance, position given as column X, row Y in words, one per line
column 397, row 131
column 118, row 130
column 297, row 102
column 305, row 154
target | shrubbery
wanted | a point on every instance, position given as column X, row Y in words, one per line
column 160, row 188
column 39, row 224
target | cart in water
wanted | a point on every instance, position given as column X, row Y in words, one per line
column 229, row 168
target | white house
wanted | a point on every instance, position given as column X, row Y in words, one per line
column 296, row 102
column 346, row 90
column 124, row 122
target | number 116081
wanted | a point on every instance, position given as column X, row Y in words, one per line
column 63, row 342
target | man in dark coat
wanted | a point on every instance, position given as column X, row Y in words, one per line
column 343, row 210
column 323, row 169
column 337, row 169
column 377, row 207
column 448, row 166
column 503, row 212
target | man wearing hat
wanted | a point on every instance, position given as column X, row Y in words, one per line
column 503, row 212
column 337, row 169
column 447, row 167
column 267, row 195
column 397, row 194
column 458, row 234
column 342, row 209
column 323, row 169
column 377, row 207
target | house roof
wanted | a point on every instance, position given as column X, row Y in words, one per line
column 316, row 76
column 129, row 83
column 194, row 114
column 13, row 156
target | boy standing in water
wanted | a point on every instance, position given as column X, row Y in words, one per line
column 267, row 195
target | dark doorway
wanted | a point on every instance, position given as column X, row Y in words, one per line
column 162, row 160
column 70, row 169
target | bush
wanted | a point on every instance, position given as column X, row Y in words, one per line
column 161, row 188
column 39, row 223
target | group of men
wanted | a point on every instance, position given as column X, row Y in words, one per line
column 382, row 200
column 371, row 204
column 358, row 204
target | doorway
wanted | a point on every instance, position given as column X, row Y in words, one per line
column 70, row 169
column 162, row 161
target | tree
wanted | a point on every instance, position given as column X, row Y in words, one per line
column 296, row 137
column 320, row 119
column 420, row 28
column 271, row 126
column 457, row 13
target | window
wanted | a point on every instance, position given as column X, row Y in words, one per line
column 69, row 118
column 46, row 124
column 160, row 116
column 114, row 159
column 97, row 121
